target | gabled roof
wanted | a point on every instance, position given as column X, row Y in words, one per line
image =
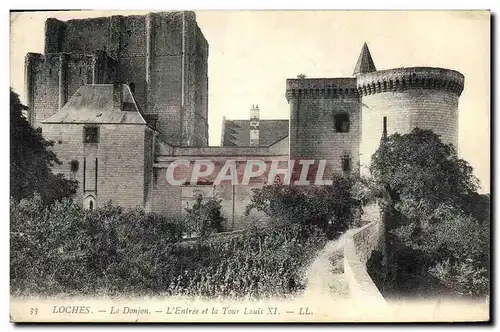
column 237, row 132
column 365, row 62
column 93, row 103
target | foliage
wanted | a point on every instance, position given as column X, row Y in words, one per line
column 256, row 263
column 332, row 208
column 419, row 170
column 431, row 205
column 64, row 248
column 31, row 160
column 205, row 216
column 465, row 277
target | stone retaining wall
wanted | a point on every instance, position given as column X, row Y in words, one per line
column 358, row 246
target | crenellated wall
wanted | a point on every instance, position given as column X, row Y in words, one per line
column 402, row 98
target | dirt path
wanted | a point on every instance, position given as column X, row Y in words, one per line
column 325, row 274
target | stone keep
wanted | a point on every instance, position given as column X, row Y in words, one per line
column 163, row 57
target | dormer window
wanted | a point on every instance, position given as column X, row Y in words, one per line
column 341, row 123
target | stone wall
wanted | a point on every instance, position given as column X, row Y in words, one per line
column 172, row 200
column 313, row 105
column 52, row 79
column 359, row 243
column 114, row 168
column 164, row 55
column 408, row 98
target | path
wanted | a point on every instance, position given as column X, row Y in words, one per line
column 325, row 274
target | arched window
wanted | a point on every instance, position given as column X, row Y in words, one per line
column 89, row 202
column 341, row 123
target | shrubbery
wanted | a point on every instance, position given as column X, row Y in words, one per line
column 64, row 248
column 332, row 208
column 204, row 217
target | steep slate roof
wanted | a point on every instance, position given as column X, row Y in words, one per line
column 237, row 132
column 93, row 103
column 365, row 62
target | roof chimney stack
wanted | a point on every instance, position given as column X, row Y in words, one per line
column 117, row 96
column 254, row 126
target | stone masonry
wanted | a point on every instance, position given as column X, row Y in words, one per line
column 163, row 57
column 124, row 97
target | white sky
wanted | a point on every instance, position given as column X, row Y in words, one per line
column 252, row 53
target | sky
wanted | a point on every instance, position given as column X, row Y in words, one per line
column 252, row 53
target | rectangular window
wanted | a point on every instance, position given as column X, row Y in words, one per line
column 91, row 135
column 346, row 164
column 341, row 123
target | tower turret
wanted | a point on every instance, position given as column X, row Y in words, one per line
column 365, row 62
column 401, row 99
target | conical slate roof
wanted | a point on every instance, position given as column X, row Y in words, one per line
column 365, row 62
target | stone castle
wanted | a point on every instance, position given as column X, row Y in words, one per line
column 123, row 97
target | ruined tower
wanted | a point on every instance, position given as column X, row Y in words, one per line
column 163, row 57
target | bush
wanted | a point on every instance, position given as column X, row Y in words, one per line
column 31, row 160
column 332, row 208
column 464, row 277
column 205, row 216
column 257, row 263
column 64, row 248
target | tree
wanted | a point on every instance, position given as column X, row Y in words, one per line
column 205, row 216
column 420, row 172
column 31, row 160
column 429, row 202
column 332, row 208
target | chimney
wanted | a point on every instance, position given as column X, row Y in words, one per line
column 117, row 96
column 254, row 126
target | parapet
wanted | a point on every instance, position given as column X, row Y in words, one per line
column 33, row 58
column 321, row 87
column 166, row 152
column 401, row 79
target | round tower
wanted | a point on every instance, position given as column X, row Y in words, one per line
column 399, row 100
